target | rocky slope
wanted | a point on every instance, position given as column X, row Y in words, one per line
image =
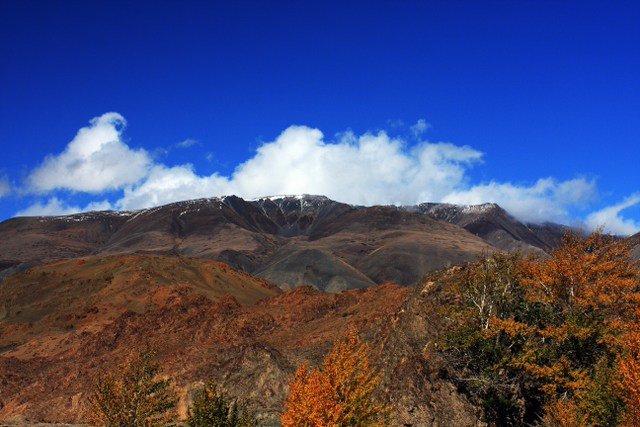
column 77, row 295
column 635, row 240
column 67, row 322
column 494, row 225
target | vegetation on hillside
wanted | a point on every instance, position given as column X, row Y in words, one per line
column 342, row 392
column 554, row 341
column 133, row 396
column 549, row 341
column 212, row 408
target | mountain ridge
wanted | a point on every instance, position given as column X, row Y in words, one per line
column 291, row 240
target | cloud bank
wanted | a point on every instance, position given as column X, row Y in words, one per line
column 545, row 200
column 367, row 169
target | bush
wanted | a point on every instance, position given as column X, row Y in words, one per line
column 545, row 338
column 211, row 408
column 133, row 396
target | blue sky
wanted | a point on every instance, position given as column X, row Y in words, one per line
column 531, row 104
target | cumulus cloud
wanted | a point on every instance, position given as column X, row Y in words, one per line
column 546, row 200
column 367, row 169
column 611, row 219
column 96, row 160
column 171, row 184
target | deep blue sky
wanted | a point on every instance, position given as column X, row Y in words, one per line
column 543, row 88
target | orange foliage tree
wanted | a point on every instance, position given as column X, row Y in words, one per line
column 584, row 295
column 546, row 334
column 629, row 378
column 564, row 413
column 342, row 392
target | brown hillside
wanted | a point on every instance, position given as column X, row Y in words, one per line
column 291, row 240
column 67, row 322
column 82, row 295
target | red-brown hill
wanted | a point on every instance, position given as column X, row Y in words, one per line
column 64, row 323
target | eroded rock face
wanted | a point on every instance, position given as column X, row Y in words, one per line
column 416, row 379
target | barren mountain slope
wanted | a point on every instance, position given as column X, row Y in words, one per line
column 82, row 294
column 51, row 353
column 493, row 224
column 41, row 239
column 635, row 239
column 290, row 240
column 381, row 243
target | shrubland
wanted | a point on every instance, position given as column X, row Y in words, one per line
column 551, row 341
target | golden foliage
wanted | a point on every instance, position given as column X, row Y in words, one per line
column 340, row 393
column 595, row 272
column 588, row 291
column 551, row 330
column 564, row 413
column 629, row 378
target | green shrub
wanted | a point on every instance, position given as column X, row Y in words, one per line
column 133, row 396
column 212, row 408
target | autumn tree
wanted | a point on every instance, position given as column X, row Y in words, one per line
column 584, row 294
column 212, row 408
column 133, row 396
column 564, row 413
column 629, row 377
column 487, row 333
column 531, row 336
column 342, row 392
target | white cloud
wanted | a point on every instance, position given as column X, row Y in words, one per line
column 5, row 188
column 96, row 160
column 546, row 200
column 368, row 169
column 166, row 185
column 53, row 206
column 611, row 220
column 189, row 142
column 420, row 127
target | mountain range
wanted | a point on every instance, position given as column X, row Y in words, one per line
column 232, row 290
column 289, row 240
